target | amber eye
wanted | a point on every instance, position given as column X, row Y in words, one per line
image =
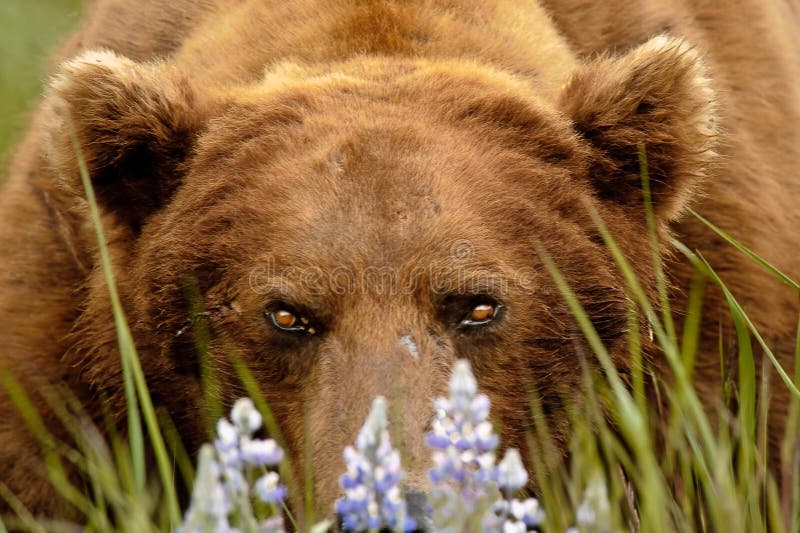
column 284, row 319
column 481, row 314
column 289, row 320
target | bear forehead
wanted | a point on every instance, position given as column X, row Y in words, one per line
column 362, row 196
column 429, row 133
column 377, row 178
column 378, row 191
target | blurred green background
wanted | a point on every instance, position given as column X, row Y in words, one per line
column 30, row 30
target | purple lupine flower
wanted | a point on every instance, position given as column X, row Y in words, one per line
column 222, row 490
column 511, row 474
column 271, row 525
column 517, row 515
column 594, row 511
column 371, row 482
column 269, row 490
column 227, row 436
column 208, row 512
column 245, row 417
column 261, row 452
column 470, row 492
column 463, row 470
column 227, row 444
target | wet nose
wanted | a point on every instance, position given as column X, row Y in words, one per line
column 417, row 508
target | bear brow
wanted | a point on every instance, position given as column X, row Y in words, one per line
column 301, row 288
column 492, row 281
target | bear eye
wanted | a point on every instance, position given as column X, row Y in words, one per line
column 481, row 314
column 286, row 319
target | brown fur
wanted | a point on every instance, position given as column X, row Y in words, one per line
column 331, row 136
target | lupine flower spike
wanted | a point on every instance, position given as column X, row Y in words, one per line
column 463, row 441
column 516, row 515
column 222, row 493
column 210, row 507
column 470, row 492
column 594, row 512
column 372, row 499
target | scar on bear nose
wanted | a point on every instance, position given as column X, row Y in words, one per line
column 407, row 342
column 336, row 160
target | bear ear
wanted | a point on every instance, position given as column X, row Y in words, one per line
column 657, row 95
column 134, row 123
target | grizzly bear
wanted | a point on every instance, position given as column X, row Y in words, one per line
column 357, row 190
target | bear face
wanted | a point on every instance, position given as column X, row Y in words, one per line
column 384, row 238
column 352, row 231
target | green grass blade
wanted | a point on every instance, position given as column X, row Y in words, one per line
column 652, row 231
column 700, row 261
column 135, row 434
column 746, row 396
column 790, row 452
column 26, row 518
column 545, row 460
column 253, row 389
column 131, row 364
column 209, row 376
column 177, row 449
column 637, row 358
column 56, row 472
column 630, row 419
column 691, row 405
column 308, row 472
column 749, row 253
column 691, row 324
column 697, row 425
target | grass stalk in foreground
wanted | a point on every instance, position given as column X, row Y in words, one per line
column 790, row 452
column 286, row 468
column 632, row 422
column 655, row 249
column 131, row 366
column 714, row 495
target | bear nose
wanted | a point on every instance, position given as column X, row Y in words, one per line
column 417, row 508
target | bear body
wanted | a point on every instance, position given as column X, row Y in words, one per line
column 416, row 153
